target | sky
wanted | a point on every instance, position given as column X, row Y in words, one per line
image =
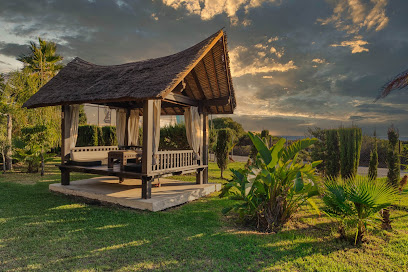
column 295, row 63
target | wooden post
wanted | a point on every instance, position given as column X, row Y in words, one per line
column 146, row 187
column 65, row 131
column 205, row 147
column 147, row 148
column 65, row 179
column 127, row 127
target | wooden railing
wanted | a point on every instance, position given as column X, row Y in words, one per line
column 174, row 160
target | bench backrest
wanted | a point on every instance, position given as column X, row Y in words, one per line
column 91, row 152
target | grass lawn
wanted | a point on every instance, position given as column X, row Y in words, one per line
column 41, row 231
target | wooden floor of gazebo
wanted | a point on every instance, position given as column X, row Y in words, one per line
column 107, row 190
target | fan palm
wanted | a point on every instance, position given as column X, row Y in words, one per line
column 357, row 201
column 42, row 60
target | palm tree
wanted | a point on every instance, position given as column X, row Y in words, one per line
column 42, row 60
column 397, row 83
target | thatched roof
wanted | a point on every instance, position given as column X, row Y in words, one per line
column 202, row 70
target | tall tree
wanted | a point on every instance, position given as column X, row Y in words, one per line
column 42, row 60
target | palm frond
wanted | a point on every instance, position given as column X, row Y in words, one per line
column 397, row 83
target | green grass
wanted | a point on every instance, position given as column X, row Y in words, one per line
column 41, row 231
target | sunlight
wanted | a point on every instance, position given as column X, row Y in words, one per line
column 69, row 207
column 130, row 244
column 112, row 226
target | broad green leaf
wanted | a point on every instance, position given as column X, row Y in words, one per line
column 299, row 184
column 275, row 152
column 316, row 163
column 261, row 147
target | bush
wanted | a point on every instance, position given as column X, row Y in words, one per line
column 332, row 153
column 224, row 143
column 318, row 149
column 109, row 135
column 393, row 160
column 173, row 137
column 242, row 150
column 273, row 188
column 367, row 145
column 355, row 202
column 87, row 135
column 372, row 169
column 350, row 146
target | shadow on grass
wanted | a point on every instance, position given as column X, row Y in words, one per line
column 43, row 231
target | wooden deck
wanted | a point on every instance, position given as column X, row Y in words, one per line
column 104, row 189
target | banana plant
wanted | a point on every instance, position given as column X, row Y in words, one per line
column 273, row 188
column 357, row 201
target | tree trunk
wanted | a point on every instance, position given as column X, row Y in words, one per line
column 42, row 162
column 9, row 161
column 222, row 173
column 4, row 161
column 386, row 221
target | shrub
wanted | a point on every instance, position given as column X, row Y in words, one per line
column 109, row 135
column 87, row 135
column 224, row 143
column 272, row 189
column 355, row 201
column 332, row 153
column 393, row 160
column 318, row 149
column 173, row 137
column 372, row 169
column 350, row 146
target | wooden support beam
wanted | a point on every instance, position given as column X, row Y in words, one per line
column 226, row 66
column 197, row 82
column 222, row 101
column 127, row 127
column 208, row 78
column 147, row 137
column 146, row 187
column 65, row 179
column 181, row 99
column 205, row 145
column 215, row 73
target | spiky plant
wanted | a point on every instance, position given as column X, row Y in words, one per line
column 356, row 201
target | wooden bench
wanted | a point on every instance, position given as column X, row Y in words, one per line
column 91, row 155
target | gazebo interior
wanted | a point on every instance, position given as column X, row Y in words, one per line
column 195, row 82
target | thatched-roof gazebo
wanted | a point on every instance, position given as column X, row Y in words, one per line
column 193, row 82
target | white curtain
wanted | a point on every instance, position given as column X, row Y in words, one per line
column 193, row 129
column 133, row 127
column 156, row 129
column 73, row 120
column 121, row 126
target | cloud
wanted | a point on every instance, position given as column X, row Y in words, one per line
column 12, row 49
column 207, row 9
column 354, row 15
column 356, row 45
column 251, row 62
column 320, row 61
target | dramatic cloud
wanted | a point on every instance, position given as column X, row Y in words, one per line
column 255, row 60
column 318, row 61
column 207, row 9
column 288, row 71
column 356, row 45
column 354, row 15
